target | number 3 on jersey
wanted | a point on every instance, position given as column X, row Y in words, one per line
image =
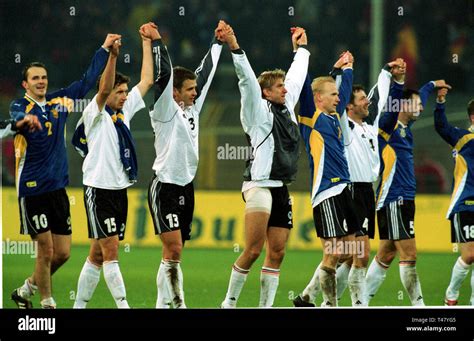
column 191, row 123
column 173, row 220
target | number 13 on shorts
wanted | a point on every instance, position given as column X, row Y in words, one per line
column 172, row 220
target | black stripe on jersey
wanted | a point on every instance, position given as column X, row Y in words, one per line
column 163, row 68
column 204, row 70
column 374, row 98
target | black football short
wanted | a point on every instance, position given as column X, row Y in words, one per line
column 45, row 212
column 171, row 207
column 462, row 227
column 364, row 205
column 396, row 220
column 106, row 212
column 335, row 217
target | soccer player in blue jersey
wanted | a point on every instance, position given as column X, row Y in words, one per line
column 461, row 209
column 396, row 191
column 322, row 121
column 42, row 171
column 363, row 160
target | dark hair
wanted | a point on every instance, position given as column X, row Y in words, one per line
column 30, row 65
column 355, row 88
column 470, row 107
column 120, row 78
column 408, row 93
column 180, row 75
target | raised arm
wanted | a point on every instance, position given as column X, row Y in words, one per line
column 80, row 88
column 165, row 107
column 297, row 73
column 447, row 132
column 378, row 95
column 345, row 62
column 428, row 88
column 207, row 68
column 389, row 118
column 147, row 33
column 251, row 112
column 307, row 106
column 107, row 80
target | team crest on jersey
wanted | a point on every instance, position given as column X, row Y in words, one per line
column 55, row 113
column 454, row 153
column 403, row 132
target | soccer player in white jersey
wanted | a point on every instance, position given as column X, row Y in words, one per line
column 269, row 121
column 179, row 97
column 109, row 169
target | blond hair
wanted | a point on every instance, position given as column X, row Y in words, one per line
column 268, row 78
column 318, row 83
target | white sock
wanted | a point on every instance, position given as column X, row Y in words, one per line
column 164, row 294
column 472, row 288
column 113, row 278
column 27, row 289
column 327, row 278
column 357, row 286
column 460, row 271
column 373, row 280
column 237, row 280
column 411, row 282
column 174, row 281
column 181, row 287
column 313, row 288
column 48, row 303
column 342, row 274
column 269, row 279
column 86, row 284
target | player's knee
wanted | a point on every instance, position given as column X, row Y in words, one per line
column 174, row 251
column 277, row 254
column 468, row 256
column 45, row 252
column 408, row 255
column 361, row 261
column 95, row 256
column 345, row 258
column 331, row 260
column 253, row 253
column 387, row 257
column 61, row 257
column 96, row 259
column 110, row 252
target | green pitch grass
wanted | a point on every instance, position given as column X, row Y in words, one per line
column 206, row 275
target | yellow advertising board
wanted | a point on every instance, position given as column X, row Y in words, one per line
column 219, row 218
